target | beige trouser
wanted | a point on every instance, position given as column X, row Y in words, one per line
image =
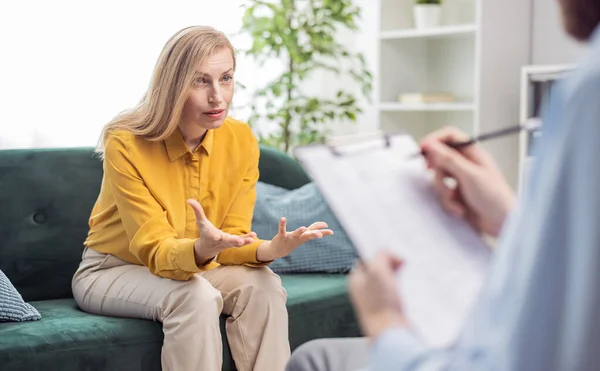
column 252, row 298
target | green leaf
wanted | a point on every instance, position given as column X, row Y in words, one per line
column 348, row 102
column 350, row 115
column 276, row 89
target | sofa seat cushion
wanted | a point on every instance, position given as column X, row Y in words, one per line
column 68, row 339
column 319, row 307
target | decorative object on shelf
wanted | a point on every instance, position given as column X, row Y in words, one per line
column 426, row 97
column 303, row 34
column 427, row 13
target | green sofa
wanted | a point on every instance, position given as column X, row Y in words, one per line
column 45, row 199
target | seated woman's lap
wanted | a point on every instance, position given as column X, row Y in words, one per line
column 107, row 285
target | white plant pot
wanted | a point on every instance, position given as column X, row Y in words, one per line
column 427, row 15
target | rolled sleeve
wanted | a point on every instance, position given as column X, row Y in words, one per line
column 183, row 256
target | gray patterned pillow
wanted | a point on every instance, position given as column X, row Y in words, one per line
column 12, row 306
column 302, row 207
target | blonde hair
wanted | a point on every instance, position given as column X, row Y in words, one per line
column 157, row 115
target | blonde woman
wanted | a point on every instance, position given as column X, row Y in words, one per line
column 170, row 237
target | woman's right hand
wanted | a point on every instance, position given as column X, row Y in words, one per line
column 481, row 194
column 213, row 240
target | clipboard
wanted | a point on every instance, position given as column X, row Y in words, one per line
column 382, row 196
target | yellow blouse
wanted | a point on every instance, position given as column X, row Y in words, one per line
column 141, row 214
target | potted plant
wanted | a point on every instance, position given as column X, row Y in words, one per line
column 427, row 13
column 303, row 34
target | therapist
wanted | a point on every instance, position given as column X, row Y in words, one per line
column 539, row 309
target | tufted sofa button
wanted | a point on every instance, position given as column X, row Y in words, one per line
column 39, row 217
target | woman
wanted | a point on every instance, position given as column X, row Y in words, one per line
column 170, row 236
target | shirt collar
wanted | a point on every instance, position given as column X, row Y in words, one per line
column 176, row 146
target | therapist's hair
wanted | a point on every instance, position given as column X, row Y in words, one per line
column 158, row 113
column 580, row 17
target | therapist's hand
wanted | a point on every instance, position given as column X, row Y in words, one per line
column 374, row 294
column 481, row 195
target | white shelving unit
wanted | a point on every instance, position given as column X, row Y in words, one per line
column 475, row 54
column 537, row 82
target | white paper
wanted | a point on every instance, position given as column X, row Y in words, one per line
column 384, row 200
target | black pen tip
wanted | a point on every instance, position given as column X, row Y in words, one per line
column 417, row 154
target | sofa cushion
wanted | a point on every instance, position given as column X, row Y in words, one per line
column 69, row 339
column 301, row 207
column 46, row 198
column 12, row 306
column 279, row 169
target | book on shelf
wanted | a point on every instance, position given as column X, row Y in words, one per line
column 426, row 97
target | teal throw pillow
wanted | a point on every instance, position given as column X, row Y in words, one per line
column 302, row 207
column 12, row 306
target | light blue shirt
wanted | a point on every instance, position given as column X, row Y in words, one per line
column 540, row 307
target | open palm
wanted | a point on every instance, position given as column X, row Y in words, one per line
column 285, row 242
column 213, row 240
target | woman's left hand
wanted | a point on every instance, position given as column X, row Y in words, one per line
column 286, row 242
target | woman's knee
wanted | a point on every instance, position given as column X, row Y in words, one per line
column 263, row 284
column 195, row 295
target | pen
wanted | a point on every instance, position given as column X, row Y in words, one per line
column 530, row 126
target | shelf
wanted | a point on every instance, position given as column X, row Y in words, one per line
column 430, row 107
column 440, row 32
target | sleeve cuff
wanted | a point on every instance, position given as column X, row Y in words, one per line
column 183, row 256
column 396, row 349
column 241, row 255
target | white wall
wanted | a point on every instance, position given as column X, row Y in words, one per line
column 504, row 50
column 366, row 42
column 69, row 66
column 550, row 44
